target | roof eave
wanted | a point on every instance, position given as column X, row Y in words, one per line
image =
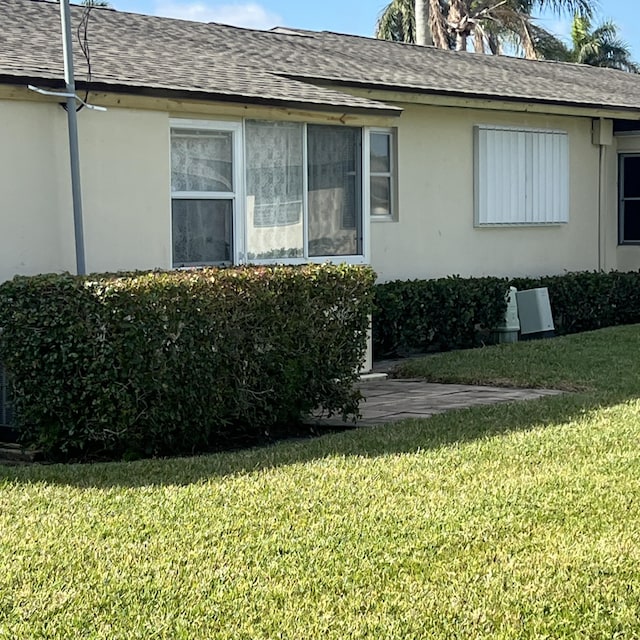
column 369, row 86
column 202, row 95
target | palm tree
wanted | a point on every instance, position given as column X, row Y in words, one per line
column 489, row 22
column 423, row 32
column 600, row 46
column 397, row 22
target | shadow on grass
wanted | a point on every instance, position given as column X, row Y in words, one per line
column 453, row 427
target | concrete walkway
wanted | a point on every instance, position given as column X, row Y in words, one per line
column 390, row 400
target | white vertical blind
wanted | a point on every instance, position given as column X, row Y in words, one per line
column 521, row 176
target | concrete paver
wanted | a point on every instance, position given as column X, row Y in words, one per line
column 392, row 400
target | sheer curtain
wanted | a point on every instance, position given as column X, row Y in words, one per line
column 203, row 190
column 201, row 160
column 274, row 162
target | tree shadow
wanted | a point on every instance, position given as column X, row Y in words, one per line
column 409, row 436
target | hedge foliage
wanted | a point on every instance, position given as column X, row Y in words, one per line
column 584, row 301
column 421, row 315
column 448, row 313
column 176, row 362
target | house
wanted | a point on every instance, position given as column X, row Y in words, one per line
column 226, row 145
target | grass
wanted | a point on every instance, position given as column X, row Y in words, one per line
column 510, row 521
column 585, row 361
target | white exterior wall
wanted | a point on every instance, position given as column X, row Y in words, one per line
column 435, row 234
column 125, row 175
column 34, row 189
column 125, row 171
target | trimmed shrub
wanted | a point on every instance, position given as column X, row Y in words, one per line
column 589, row 300
column 422, row 315
column 448, row 313
column 177, row 362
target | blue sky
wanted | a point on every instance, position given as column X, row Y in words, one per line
column 350, row 16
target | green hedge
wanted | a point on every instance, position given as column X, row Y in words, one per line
column 421, row 315
column 177, row 362
column 448, row 313
column 585, row 301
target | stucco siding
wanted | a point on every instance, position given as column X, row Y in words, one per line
column 126, row 176
column 34, row 189
column 435, row 234
column 125, row 172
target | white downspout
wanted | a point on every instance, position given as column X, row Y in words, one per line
column 601, row 233
column 602, row 137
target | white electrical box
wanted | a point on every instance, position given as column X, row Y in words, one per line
column 534, row 312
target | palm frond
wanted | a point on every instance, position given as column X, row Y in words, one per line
column 583, row 8
column 397, row 22
column 600, row 46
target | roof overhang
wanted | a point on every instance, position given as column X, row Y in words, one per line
column 374, row 108
column 437, row 97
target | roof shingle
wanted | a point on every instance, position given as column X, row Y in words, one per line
column 290, row 67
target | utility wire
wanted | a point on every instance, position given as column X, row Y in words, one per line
column 83, row 39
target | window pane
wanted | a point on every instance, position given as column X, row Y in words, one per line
column 201, row 231
column 632, row 220
column 631, row 176
column 380, row 196
column 201, row 160
column 274, row 159
column 335, row 185
column 380, row 153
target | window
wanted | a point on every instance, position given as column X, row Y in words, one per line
column 279, row 191
column 382, row 171
column 521, row 176
column 275, row 185
column 334, row 190
column 629, row 203
column 204, row 193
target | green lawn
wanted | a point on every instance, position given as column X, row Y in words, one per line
column 511, row 521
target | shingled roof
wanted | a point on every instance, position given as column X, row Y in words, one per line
column 138, row 53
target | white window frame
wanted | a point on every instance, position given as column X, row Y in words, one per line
column 236, row 196
column 529, row 212
column 392, row 174
column 239, row 239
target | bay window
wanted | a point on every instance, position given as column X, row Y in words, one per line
column 276, row 191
